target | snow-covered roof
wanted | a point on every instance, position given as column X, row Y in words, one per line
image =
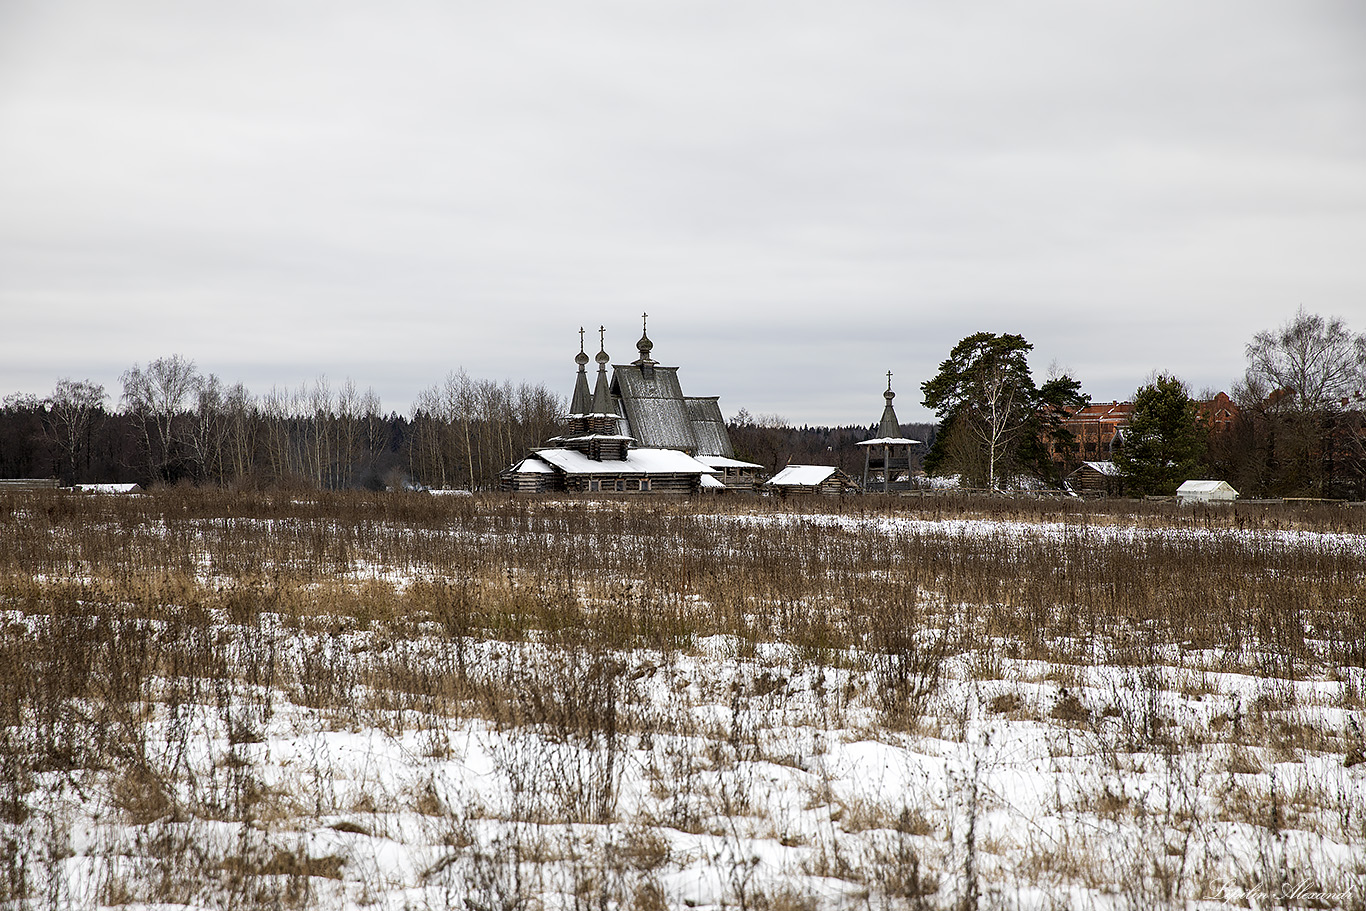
column 723, row 462
column 531, row 465
column 890, row 441
column 709, row 481
column 108, row 488
column 1110, row 469
column 803, row 475
column 1203, row 487
column 637, row 461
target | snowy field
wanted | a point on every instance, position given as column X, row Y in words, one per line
column 548, row 706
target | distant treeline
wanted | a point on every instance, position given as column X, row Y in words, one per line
column 174, row 425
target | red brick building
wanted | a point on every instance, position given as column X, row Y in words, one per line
column 1219, row 413
column 1096, row 428
column 1099, row 427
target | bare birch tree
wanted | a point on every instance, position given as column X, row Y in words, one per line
column 73, row 411
column 984, row 389
column 1314, row 362
column 241, row 418
column 1301, row 399
column 159, row 398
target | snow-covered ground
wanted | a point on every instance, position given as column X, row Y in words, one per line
column 345, row 764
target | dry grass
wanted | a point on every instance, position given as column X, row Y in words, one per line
column 138, row 633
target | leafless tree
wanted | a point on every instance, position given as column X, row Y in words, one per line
column 1313, row 362
column 1001, row 409
column 241, row 419
column 769, row 434
column 462, row 396
column 317, row 425
column 540, row 413
column 73, row 411
column 209, row 429
column 159, row 398
column 465, row 430
column 348, row 432
column 277, row 410
column 963, row 451
column 1301, row 396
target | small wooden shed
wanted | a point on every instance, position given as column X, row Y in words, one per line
column 1099, row 476
column 733, row 474
column 810, row 479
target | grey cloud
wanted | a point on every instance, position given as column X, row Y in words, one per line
column 800, row 196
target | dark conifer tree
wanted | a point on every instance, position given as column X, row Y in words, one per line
column 1165, row 442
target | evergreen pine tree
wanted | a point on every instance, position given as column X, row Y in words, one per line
column 1164, row 443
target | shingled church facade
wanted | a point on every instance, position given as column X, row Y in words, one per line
column 635, row 432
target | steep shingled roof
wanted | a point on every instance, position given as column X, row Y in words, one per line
column 656, row 413
column 653, row 405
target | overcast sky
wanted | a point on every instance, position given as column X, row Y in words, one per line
column 802, row 195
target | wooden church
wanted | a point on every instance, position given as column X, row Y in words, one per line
column 636, row 432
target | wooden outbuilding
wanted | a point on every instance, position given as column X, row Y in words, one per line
column 1097, row 477
column 28, row 484
column 826, row 480
column 734, row 474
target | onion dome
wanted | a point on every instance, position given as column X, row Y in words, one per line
column 889, row 427
column 602, row 396
column 644, row 346
column 580, row 402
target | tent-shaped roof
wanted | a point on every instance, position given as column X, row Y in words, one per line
column 1219, row 489
column 890, row 441
column 889, row 428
